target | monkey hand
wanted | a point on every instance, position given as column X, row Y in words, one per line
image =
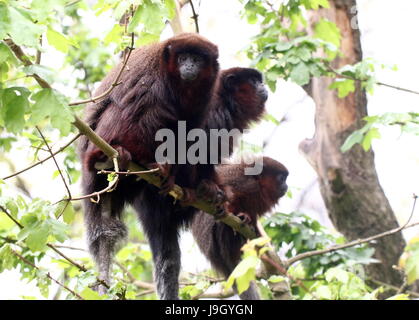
column 210, row 191
column 96, row 159
column 245, row 217
column 165, row 170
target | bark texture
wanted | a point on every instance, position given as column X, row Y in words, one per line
column 349, row 184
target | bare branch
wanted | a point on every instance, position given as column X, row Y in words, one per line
column 55, row 161
column 43, row 160
column 356, row 242
column 115, row 82
column 194, row 16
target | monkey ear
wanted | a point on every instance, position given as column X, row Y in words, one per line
column 166, row 52
column 229, row 80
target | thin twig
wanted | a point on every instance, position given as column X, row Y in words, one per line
column 74, row 263
column 55, row 161
column 48, row 275
column 137, row 283
column 309, row 254
column 115, row 82
column 396, row 289
column 365, row 80
column 43, row 160
column 127, row 173
column 7, row 213
column 195, row 16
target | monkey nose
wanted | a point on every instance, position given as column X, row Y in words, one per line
column 263, row 93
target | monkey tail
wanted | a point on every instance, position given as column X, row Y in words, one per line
column 221, row 245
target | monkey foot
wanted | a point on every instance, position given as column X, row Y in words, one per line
column 245, row 217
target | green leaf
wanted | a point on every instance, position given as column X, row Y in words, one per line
column 58, row 40
column 300, row 74
column 399, row 297
column 344, row 87
column 4, row 20
column 243, row 274
column 37, row 236
column 412, row 267
column 371, row 134
column 337, row 274
column 5, row 52
column 44, row 72
column 7, row 258
column 150, row 15
column 271, row 118
column 22, row 30
column 90, row 294
column 328, row 31
column 356, row 137
column 283, row 46
column 42, row 9
column 69, row 213
column 13, row 105
column 114, row 35
column 50, row 103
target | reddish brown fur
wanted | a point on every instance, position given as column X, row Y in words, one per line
column 151, row 96
column 252, row 195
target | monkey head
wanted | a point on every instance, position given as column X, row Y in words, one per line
column 245, row 92
column 272, row 180
column 190, row 57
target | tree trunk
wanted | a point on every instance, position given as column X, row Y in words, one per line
column 349, row 184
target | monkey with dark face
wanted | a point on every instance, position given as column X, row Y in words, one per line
column 249, row 195
column 238, row 100
column 162, row 84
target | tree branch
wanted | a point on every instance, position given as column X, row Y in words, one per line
column 43, row 160
column 55, row 161
column 48, row 275
column 309, row 254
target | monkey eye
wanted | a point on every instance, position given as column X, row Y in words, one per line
column 181, row 58
column 282, row 177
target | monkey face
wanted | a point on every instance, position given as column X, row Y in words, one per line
column 189, row 65
column 273, row 178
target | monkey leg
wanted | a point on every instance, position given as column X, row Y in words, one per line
column 105, row 232
column 158, row 219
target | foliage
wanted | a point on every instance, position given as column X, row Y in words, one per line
column 34, row 232
column 410, row 261
column 284, row 49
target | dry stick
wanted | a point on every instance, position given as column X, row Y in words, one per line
column 195, row 16
column 305, row 255
column 56, row 164
column 43, row 160
column 48, row 275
